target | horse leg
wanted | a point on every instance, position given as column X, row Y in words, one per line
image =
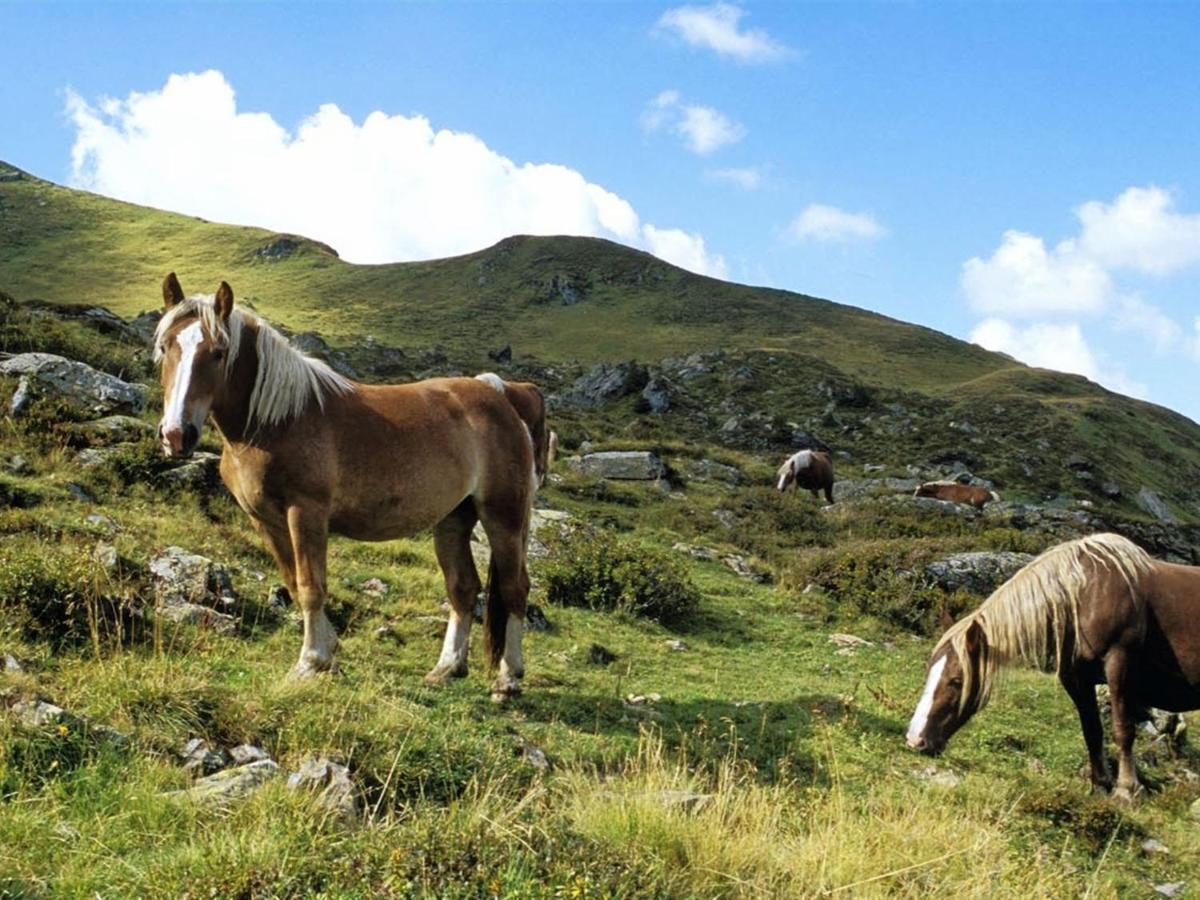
column 1084, row 698
column 309, row 529
column 1118, row 675
column 829, row 493
column 452, row 543
column 279, row 543
column 508, row 593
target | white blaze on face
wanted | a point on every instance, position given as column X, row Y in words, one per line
column 921, row 717
column 783, row 478
column 189, row 340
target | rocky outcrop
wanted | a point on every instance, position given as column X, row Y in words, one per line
column 336, row 793
column 979, row 573
column 1150, row 502
column 620, row 465
column 606, row 383
column 188, row 587
column 77, row 383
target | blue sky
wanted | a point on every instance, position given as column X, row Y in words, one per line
column 1024, row 175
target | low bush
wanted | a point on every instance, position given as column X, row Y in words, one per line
column 598, row 570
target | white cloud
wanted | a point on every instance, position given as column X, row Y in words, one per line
column 1059, row 346
column 1023, row 279
column 818, row 222
column 391, row 188
column 1134, row 314
column 748, row 179
column 704, row 130
column 718, row 28
column 1140, row 230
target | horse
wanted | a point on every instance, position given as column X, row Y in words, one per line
column 955, row 492
column 1097, row 610
column 808, row 469
column 309, row 453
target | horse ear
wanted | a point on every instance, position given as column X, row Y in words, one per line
column 172, row 292
column 945, row 617
column 224, row 301
column 974, row 638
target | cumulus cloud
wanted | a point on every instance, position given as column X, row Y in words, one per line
column 748, row 179
column 718, row 28
column 1140, row 230
column 703, row 129
column 391, row 188
column 1134, row 314
column 818, row 222
column 1023, row 278
column 1059, row 346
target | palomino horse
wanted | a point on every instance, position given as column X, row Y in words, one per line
column 309, row 453
column 1099, row 610
column 808, row 469
column 955, row 492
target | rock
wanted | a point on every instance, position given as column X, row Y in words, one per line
column 657, row 394
column 337, row 794
column 201, row 759
column 726, row 517
column 942, row 507
column 7, row 175
column 34, row 713
column 606, row 383
column 622, row 465
column 707, row 554
column 1150, row 502
column 940, row 777
column 600, row 656
column 685, row 801
column 197, row 473
column 94, row 457
column 78, row 492
column 117, row 429
column 542, row 523
column 535, row 618
column 230, row 784
column 870, row 468
column 1110, row 489
column 146, row 323
column 1170, row 888
column 78, row 383
column 1150, row 845
column 502, row 356
column 105, row 555
column 979, row 573
column 279, row 600
column 677, row 646
column 21, row 398
column 860, row 488
column 103, row 523
column 243, row 754
column 709, row 470
column 280, row 248
column 17, row 465
column 12, row 664
column 188, row 586
column 849, row 641
column 532, row 755
column 376, row 587
column 740, row 566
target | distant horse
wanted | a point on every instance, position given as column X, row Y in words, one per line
column 309, row 453
column 1098, row 610
column 808, row 469
column 955, row 492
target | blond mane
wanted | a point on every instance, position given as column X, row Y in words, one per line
column 287, row 380
column 1027, row 618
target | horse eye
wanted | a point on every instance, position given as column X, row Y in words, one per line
column 218, row 355
column 956, row 682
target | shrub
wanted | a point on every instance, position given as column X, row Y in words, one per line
column 598, row 570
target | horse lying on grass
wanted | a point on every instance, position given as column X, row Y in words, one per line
column 308, row 453
column 1099, row 610
column 955, row 492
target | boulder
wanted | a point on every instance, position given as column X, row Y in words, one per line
column 117, row 430
column 197, row 473
column 657, row 394
column 21, row 399
column 337, row 794
column 621, row 465
column 1150, row 502
column 77, row 383
column 230, row 784
column 710, row 470
column 188, row 586
column 606, row 383
column 979, row 573
column 201, row 759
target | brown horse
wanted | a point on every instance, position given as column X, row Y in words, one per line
column 1099, row 610
column 808, row 469
column 973, row 494
column 308, row 453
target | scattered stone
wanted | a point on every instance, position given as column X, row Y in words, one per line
column 279, row 600
column 709, row 470
column 338, row 795
column 1150, row 502
column 187, row 586
column 870, row 468
column 106, row 556
column 247, row 753
column 376, row 587
column 621, row 465
column 197, row 473
column 677, row 646
column 21, row 399
column 532, row 755
column 939, row 777
column 657, row 394
column 94, row 457
column 1170, row 888
column 104, row 523
column 78, row 492
column 849, row 641
column 387, row 632
column 230, row 784
column 1150, row 845
column 707, row 554
column 78, row 383
column 599, row 655
column 979, row 573
column 535, row 618
column 726, row 517
column 740, row 566
column 17, row 465
column 1110, row 489
column 201, row 759
column 12, row 664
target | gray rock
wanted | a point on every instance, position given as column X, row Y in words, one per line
column 533, row 755
column 247, row 753
column 337, row 794
column 685, row 801
column 21, row 398
column 677, row 646
column 1170, row 888
column 980, row 573
column 78, row 383
column 34, row 713
column 197, row 473
column 188, row 586
column 94, row 457
column 79, row 492
column 741, row 567
column 12, row 664
column 17, row 465
column 726, row 517
column 709, row 470
column 657, row 394
column 230, row 784
column 862, row 488
column 606, row 383
column 201, row 759
column 535, row 618
column 1151, row 845
column 1150, row 502
column 1110, row 489
column 104, row 523
column 106, row 556
column 707, row 554
column 622, row 465
column 7, row 175
column 376, row 587
column 940, row 777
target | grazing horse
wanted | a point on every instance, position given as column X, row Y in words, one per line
column 808, row 469
column 955, row 492
column 308, row 453
column 1098, row 610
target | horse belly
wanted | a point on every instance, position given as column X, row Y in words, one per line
column 390, row 515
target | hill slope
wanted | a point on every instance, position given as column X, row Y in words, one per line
column 824, row 367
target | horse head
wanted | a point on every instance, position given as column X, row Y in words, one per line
column 953, row 692
column 191, row 347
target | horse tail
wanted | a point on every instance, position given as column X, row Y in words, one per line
column 495, row 618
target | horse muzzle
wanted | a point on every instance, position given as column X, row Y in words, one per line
column 178, row 443
column 922, row 745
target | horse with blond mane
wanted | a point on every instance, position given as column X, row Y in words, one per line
column 1097, row 610
column 309, row 453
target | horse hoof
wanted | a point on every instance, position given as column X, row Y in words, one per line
column 305, row 670
column 1126, row 795
column 441, row 675
column 502, row 692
